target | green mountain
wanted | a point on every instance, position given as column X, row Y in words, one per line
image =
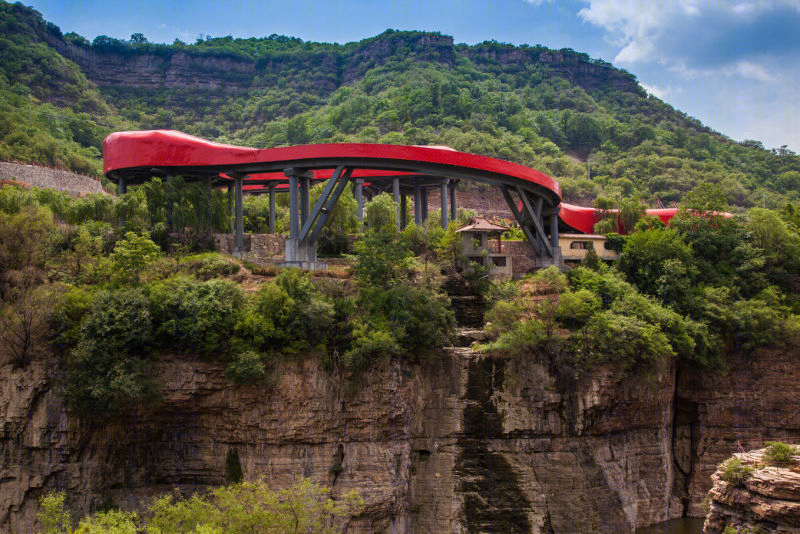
column 578, row 119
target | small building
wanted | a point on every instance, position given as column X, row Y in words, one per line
column 481, row 243
column 574, row 248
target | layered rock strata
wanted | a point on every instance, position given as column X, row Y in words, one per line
column 768, row 501
column 463, row 444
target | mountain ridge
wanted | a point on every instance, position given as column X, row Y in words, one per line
column 584, row 122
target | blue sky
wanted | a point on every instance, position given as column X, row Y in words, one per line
column 733, row 64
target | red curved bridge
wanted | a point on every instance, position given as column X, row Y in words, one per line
column 533, row 197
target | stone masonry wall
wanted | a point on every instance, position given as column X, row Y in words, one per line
column 259, row 248
column 69, row 182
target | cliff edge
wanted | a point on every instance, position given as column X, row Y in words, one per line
column 751, row 495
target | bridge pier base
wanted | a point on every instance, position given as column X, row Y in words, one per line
column 300, row 254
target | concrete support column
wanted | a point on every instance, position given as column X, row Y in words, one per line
column 305, row 209
column 417, row 205
column 444, row 204
column 424, row 203
column 233, row 208
column 272, row 209
column 396, row 196
column 294, row 207
column 359, row 194
column 403, row 210
column 554, row 230
column 453, row 202
column 122, row 188
column 239, row 217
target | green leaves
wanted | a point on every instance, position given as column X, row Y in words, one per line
column 132, row 255
column 382, row 260
column 104, row 372
column 195, row 316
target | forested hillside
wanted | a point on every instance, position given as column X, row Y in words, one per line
column 579, row 119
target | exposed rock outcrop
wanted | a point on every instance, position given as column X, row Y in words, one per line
column 768, row 501
column 753, row 401
column 465, row 444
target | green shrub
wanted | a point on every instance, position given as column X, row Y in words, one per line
column 606, row 284
column 575, row 308
column 253, row 507
column 370, row 344
column 68, row 310
column 132, row 255
column 735, row 473
column 287, row 315
column 755, row 529
column 382, row 260
column 626, row 341
column 419, row 318
column 119, row 322
column 53, row 517
column 504, row 316
column 780, row 454
column 104, row 373
column 109, row 522
column 210, row 265
column 380, row 214
column 525, row 338
column 25, row 238
column 246, row 367
column 659, row 263
column 548, row 281
column 195, row 316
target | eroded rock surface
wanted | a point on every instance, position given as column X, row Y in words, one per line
column 465, row 444
column 768, row 501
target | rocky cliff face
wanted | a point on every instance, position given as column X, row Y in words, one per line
column 768, row 501
column 466, row 444
column 577, row 68
column 336, row 66
column 754, row 401
column 176, row 67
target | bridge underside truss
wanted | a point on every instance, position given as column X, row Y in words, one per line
column 533, row 197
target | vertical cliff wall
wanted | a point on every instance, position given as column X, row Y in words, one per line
column 754, row 400
column 466, row 444
column 768, row 500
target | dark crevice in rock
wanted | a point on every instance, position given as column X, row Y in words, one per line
column 493, row 500
column 684, row 444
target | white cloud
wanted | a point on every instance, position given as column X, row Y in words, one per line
column 656, row 91
column 733, row 64
column 689, row 35
column 749, row 70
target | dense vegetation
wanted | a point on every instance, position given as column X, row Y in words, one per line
column 105, row 299
column 582, row 121
column 704, row 287
column 238, row 508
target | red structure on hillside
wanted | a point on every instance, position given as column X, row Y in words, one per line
column 533, row 197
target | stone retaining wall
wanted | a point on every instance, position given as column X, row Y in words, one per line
column 260, row 248
column 69, row 182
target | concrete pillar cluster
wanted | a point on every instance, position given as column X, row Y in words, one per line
column 239, row 250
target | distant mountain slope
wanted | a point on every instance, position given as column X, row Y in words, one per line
column 581, row 120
